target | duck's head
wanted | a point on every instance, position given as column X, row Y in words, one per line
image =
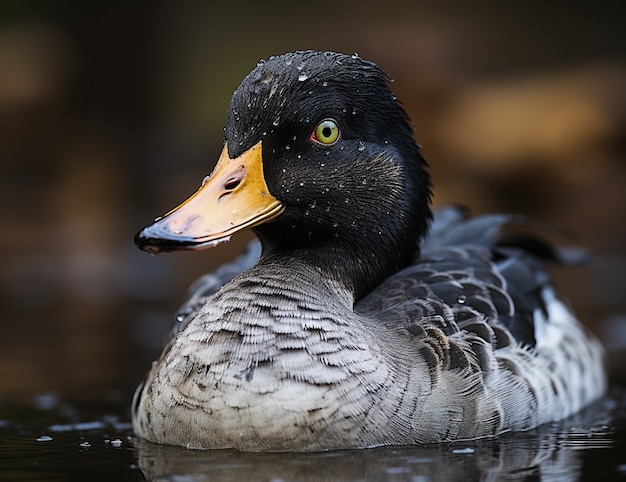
column 319, row 158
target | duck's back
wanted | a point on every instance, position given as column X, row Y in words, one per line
column 481, row 303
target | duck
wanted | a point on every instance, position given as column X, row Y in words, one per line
column 363, row 317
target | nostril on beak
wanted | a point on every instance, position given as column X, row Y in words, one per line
column 232, row 183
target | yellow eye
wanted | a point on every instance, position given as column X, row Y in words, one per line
column 326, row 132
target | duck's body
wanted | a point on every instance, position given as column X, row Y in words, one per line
column 346, row 333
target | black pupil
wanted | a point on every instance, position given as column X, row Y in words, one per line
column 327, row 131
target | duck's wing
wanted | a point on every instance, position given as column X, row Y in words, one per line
column 470, row 277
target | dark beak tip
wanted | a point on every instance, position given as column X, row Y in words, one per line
column 144, row 241
column 156, row 238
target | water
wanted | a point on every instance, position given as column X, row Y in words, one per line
column 54, row 440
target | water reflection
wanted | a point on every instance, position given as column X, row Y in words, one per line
column 492, row 461
column 557, row 452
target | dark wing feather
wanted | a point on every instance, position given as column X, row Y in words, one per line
column 469, row 277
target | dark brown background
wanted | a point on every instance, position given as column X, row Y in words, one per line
column 111, row 115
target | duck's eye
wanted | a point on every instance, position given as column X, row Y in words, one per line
column 326, row 132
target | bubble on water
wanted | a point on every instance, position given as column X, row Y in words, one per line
column 303, row 76
column 466, row 450
column 70, row 427
column 44, row 438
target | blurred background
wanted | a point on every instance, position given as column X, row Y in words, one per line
column 112, row 114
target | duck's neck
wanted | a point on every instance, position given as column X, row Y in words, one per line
column 359, row 238
column 356, row 267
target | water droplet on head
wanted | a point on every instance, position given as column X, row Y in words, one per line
column 461, row 299
column 276, row 121
column 361, row 146
column 303, row 76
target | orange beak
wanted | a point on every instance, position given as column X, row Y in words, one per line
column 234, row 197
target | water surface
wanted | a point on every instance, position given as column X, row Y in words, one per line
column 56, row 440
